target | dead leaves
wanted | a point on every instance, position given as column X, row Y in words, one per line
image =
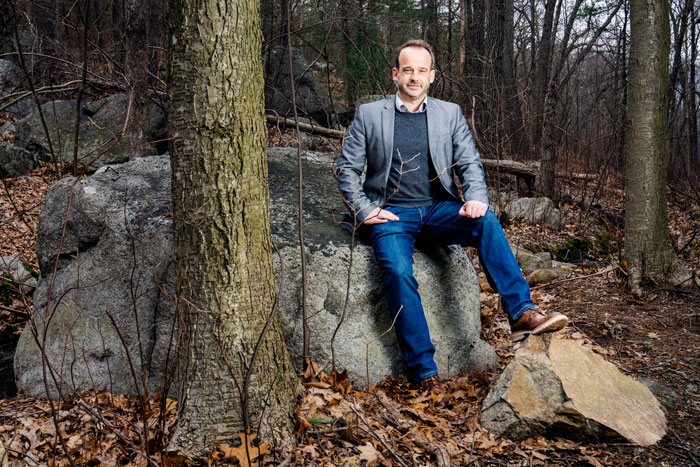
column 247, row 454
column 96, row 429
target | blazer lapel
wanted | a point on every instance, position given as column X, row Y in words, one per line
column 433, row 117
column 388, row 129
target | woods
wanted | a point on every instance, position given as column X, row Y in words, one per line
column 173, row 293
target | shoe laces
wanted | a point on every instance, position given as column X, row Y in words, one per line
column 432, row 382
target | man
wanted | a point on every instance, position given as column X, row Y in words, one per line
column 413, row 146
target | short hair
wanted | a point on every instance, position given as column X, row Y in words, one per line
column 416, row 43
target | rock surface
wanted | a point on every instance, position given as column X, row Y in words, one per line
column 448, row 285
column 542, row 276
column 537, row 211
column 101, row 123
column 558, row 387
column 528, row 261
column 311, row 97
column 120, row 228
column 11, row 80
column 115, row 260
column 15, row 161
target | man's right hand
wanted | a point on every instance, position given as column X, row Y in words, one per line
column 380, row 216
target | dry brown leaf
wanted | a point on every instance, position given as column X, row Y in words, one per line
column 369, row 453
column 241, row 453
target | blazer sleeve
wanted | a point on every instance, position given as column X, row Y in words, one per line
column 467, row 163
column 349, row 167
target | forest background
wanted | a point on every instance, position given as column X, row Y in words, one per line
column 540, row 81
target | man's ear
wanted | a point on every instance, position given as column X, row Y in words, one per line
column 432, row 76
column 395, row 74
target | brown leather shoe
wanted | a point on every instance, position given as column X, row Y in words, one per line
column 534, row 322
column 437, row 392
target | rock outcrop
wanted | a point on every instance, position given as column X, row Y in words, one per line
column 115, row 272
column 101, row 123
column 558, row 387
column 312, row 98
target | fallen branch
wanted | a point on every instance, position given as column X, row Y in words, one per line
column 21, row 314
column 319, row 130
column 599, row 273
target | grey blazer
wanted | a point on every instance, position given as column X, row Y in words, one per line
column 370, row 140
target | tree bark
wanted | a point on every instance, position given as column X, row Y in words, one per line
column 647, row 244
column 223, row 245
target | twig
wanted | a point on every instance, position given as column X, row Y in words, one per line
column 305, row 319
column 599, row 273
column 375, row 340
column 371, row 432
column 471, row 449
column 15, row 312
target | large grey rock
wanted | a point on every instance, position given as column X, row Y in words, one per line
column 101, row 123
column 557, row 387
column 118, row 243
column 537, row 211
column 115, row 261
column 312, row 98
column 15, row 161
column 448, row 285
column 20, row 275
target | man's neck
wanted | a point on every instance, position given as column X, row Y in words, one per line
column 410, row 104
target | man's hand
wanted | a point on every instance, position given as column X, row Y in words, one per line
column 473, row 209
column 380, row 216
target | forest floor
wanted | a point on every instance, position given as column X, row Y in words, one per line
column 656, row 336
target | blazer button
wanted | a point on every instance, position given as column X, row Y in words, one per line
column 383, row 188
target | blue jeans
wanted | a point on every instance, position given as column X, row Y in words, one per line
column 440, row 224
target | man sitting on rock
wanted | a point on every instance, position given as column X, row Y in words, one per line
column 413, row 146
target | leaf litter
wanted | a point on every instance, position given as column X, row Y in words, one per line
column 393, row 423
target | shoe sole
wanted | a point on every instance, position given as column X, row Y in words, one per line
column 554, row 324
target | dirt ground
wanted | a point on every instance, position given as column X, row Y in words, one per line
column 655, row 336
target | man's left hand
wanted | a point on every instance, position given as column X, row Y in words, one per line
column 473, row 209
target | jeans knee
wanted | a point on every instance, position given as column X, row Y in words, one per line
column 399, row 272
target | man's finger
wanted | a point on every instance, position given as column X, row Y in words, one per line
column 388, row 215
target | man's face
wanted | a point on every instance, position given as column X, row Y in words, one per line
column 414, row 76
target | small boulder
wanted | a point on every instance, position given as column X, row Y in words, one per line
column 369, row 98
column 542, row 276
column 11, row 76
column 528, row 261
column 559, row 388
column 15, row 161
column 537, row 211
column 20, row 275
column 7, row 128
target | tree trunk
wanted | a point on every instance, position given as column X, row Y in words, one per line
column 223, row 250
column 647, row 244
column 542, row 68
column 136, row 22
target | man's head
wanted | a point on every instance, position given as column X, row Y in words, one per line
column 414, row 70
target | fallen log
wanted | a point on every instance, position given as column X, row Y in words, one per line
column 319, row 130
